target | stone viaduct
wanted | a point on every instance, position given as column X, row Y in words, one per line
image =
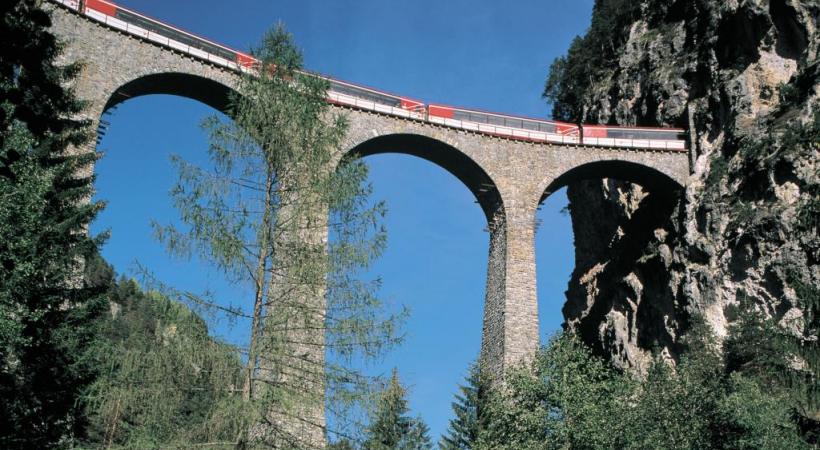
column 509, row 178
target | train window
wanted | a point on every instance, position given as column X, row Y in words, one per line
column 176, row 35
column 626, row 133
column 547, row 127
column 387, row 100
column 476, row 117
column 528, row 125
column 461, row 115
column 340, row 88
column 617, row 134
column 495, row 120
column 514, row 123
column 666, row 135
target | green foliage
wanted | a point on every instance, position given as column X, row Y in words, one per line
column 788, row 93
column 801, row 87
column 572, row 399
column 565, row 401
column 164, row 382
column 800, row 143
column 46, row 308
column 755, row 347
column 756, row 419
column 390, row 426
column 702, row 405
column 342, row 444
column 419, row 436
column 808, row 214
column 718, row 169
column 791, row 144
column 779, row 362
column 462, row 433
column 32, row 84
column 260, row 215
column 678, row 409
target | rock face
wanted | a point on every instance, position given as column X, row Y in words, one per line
column 735, row 74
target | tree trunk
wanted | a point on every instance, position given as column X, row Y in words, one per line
column 261, row 269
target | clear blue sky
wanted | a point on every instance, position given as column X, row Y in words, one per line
column 483, row 54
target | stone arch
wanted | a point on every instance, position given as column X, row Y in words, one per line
column 499, row 339
column 444, row 155
column 205, row 90
column 609, row 266
column 648, row 177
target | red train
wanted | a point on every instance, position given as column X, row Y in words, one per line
column 352, row 95
column 152, row 29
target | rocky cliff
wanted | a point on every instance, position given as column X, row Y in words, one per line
column 742, row 77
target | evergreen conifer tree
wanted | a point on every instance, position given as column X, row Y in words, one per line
column 419, row 436
column 462, row 433
column 46, row 308
column 389, row 423
column 390, row 426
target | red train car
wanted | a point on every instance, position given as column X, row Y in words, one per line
column 145, row 26
column 501, row 120
column 634, row 133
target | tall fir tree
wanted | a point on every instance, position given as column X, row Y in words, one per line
column 391, row 428
column 462, row 433
column 46, row 308
column 419, row 436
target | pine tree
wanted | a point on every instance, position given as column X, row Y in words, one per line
column 390, row 426
column 46, row 308
column 389, row 423
column 462, row 433
column 419, row 436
